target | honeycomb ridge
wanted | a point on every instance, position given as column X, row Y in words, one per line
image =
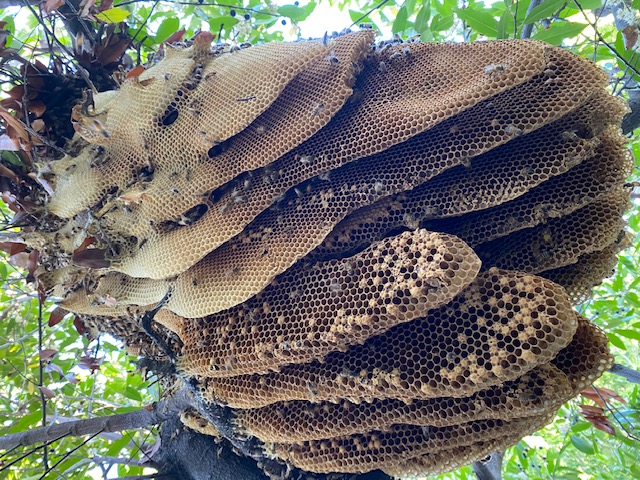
column 311, row 311
column 525, row 319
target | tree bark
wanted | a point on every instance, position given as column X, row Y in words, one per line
column 491, row 469
column 159, row 413
column 189, row 455
column 631, row 375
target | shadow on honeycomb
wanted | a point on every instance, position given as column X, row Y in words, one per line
column 368, row 257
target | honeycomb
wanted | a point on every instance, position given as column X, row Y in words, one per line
column 297, row 421
column 496, row 177
column 501, row 326
column 579, row 278
column 368, row 258
column 603, row 172
column 314, row 310
column 382, row 449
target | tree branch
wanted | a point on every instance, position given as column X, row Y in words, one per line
column 160, row 412
column 631, row 121
column 490, row 469
column 527, row 28
column 630, row 374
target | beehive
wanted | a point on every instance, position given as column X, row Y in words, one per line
column 355, row 243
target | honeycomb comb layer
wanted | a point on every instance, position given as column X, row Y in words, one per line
column 265, row 248
column 312, row 310
column 561, row 240
column 586, row 358
column 193, row 420
column 500, row 327
column 349, row 136
column 166, row 98
column 559, row 196
column 284, row 125
column 533, row 393
column 380, row 449
column 490, row 179
column 452, row 458
column 579, row 278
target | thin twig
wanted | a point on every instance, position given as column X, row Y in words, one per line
column 66, row 455
column 43, row 399
column 604, row 42
column 608, row 407
column 527, row 28
column 377, row 7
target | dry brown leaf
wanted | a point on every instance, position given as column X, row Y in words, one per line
column 135, row 72
column 56, row 316
column 51, row 5
column 47, row 354
column 46, row 392
column 630, row 35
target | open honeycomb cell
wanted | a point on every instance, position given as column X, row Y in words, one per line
column 579, row 278
column 501, row 326
column 311, row 311
column 560, row 241
column 339, row 240
column 382, row 449
column 534, row 393
column 603, row 172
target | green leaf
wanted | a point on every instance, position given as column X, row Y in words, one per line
column 166, row 28
column 480, row 20
column 422, row 19
column 295, row 12
column 505, row 24
column 113, row 15
column 558, row 32
column 440, row 23
column 133, row 394
column 580, row 427
column 546, row 9
column 583, row 445
column 616, row 342
column 633, row 334
column 27, row 421
column 400, row 23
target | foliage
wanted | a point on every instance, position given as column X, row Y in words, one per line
column 76, row 378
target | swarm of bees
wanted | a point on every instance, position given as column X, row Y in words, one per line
column 369, row 258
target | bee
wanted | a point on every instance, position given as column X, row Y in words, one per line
column 513, row 130
column 395, row 56
column 318, row 109
column 331, row 58
column 99, row 128
column 382, row 67
column 237, row 197
column 494, row 69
